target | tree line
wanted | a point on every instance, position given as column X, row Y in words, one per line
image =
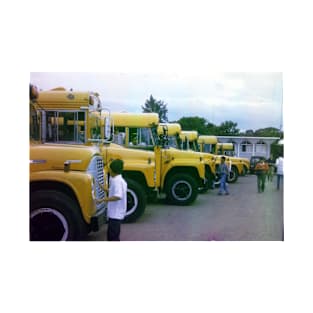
column 204, row 127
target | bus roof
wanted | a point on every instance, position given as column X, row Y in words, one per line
column 140, row 120
column 226, row 145
column 205, row 139
column 191, row 135
column 172, row 128
column 60, row 98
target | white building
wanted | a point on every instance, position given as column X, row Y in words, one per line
column 249, row 146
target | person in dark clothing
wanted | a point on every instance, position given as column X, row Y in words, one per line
column 261, row 170
column 271, row 168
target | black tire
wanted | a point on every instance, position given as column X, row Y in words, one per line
column 181, row 189
column 217, row 181
column 136, row 201
column 244, row 171
column 233, row 175
column 54, row 216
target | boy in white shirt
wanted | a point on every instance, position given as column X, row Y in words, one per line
column 117, row 200
column 280, row 170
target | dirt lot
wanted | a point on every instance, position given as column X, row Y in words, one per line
column 243, row 215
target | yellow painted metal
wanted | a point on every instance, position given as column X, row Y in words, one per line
column 172, row 129
column 139, row 120
column 62, row 99
column 47, row 165
column 225, row 146
column 191, row 135
column 204, row 139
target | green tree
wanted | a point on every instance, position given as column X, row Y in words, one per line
column 152, row 105
column 194, row 123
column 211, row 129
column 228, row 128
column 268, row 132
column 248, row 132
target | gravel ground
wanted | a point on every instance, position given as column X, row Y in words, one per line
column 244, row 215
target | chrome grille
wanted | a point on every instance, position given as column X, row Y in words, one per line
column 96, row 169
column 100, row 178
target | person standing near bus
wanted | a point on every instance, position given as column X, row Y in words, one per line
column 117, row 200
column 261, row 170
column 280, row 170
column 271, row 167
column 223, row 173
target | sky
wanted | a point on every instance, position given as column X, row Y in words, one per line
column 253, row 100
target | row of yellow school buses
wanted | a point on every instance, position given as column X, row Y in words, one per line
column 72, row 141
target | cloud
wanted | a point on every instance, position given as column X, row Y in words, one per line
column 253, row 100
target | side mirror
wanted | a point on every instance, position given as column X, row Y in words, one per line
column 107, row 128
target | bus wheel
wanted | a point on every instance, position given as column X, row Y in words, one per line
column 181, row 189
column 54, row 216
column 233, row 175
column 217, row 181
column 136, row 201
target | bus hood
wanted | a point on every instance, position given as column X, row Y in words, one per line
column 116, row 151
column 183, row 154
column 60, row 157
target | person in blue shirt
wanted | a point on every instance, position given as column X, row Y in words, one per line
column 223, row 172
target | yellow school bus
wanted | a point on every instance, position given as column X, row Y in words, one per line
column 65, row 181
column 210, row 144
column 77, row 118
column 227, row 148
column 178, row 174
column 187, row 141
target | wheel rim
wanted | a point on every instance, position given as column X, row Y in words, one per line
column 231, row 176
column 217, row 182
column 132, row 202
column 181, row 190
column 48, row 224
